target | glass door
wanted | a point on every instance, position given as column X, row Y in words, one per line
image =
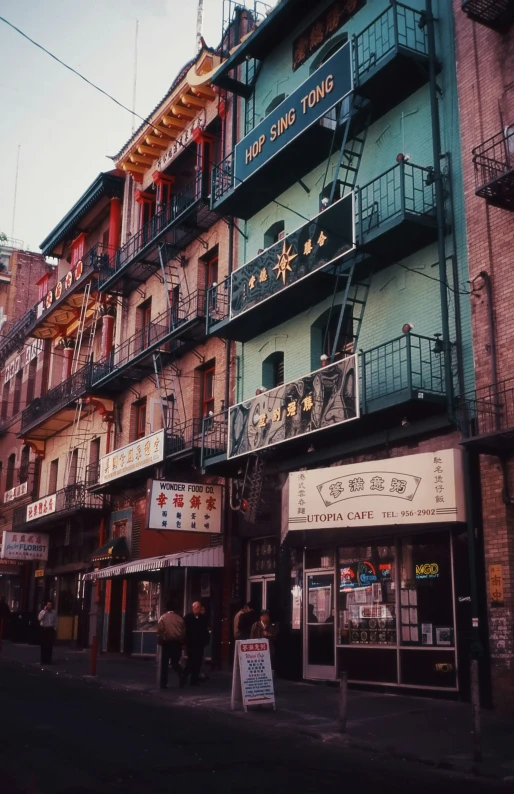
column 319, row 626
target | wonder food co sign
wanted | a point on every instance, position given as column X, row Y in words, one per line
column 313, row 99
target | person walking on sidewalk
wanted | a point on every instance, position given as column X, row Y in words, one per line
column 171, row 633
column 197, row 637
column 48, row 623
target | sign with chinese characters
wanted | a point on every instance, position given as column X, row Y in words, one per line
column 314, row 98
column 252, row 679
column 496, row 585
column 319, row 401
column 184, row 506
column 62, row 286
column 328, row 237
column 41, row 508
column 416, row 489
column 183, row 138
column 14, row 493
column 24, row 546
column 30, row 352
column 324, row 26
column 132, row 457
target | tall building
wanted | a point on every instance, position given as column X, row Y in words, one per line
column 23, row 361
column 485, row 62
column 351, row 314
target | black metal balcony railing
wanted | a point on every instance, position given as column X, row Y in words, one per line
column 408, row 364
column 494, row 169
column 496, row 14
column 166, row 215
column 403, row 189
column 397, row 26
column 56, row 399
column 491, row 409
column 167, row 326
column 403, row 194
column 67, row 500
column 16, row 336
column 409, row 367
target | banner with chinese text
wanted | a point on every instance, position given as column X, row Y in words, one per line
column 132, row 457
column 24, row 546
column 186, row 507
column 321, row 400
column 41, row 508
column 415, row 489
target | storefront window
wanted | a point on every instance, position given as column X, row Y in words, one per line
column 147, row 613
column 426, row 600
column 367, row 595
column 263, row 557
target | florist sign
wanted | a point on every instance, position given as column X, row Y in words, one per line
column 24, row 546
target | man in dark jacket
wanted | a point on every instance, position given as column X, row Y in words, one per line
column 197, row 637
column 246, row 621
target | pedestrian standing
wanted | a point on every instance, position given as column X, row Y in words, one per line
column 264, row 629
column 48, row 623
column 171, row 633
column 237, row 617
column 246, row 621
column 197, row 637
column 5, row 616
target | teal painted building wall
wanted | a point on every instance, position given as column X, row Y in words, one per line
column 407, row 291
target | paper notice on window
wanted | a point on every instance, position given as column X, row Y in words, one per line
column 413, row 615
column 414, row 634
column 413, row 598
column 361, row 596
column 405, row 633
column 427, row 635
column 405, row 615
column 376, row 590
column 405, row 598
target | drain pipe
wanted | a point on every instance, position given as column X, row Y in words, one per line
column 439, row 200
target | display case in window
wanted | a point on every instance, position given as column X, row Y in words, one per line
column 367, row 595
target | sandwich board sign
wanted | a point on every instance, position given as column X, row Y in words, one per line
column 252, row 678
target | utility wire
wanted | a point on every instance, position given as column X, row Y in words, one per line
column 147, row 121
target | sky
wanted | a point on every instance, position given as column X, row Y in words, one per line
column 65, row 128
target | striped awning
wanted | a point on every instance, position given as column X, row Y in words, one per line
column 208, row 557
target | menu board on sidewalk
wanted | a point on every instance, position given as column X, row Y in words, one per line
column 252, row 678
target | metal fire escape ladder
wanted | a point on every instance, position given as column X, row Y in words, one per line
column 169, row 389
column 79, row 440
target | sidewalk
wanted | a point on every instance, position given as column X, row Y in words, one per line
column 434, row 732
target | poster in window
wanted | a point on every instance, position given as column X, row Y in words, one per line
column 443, row 636
column 413, row 615
column 414, row 634
column 361, row 596
column 413, row 598
column 427, row 637
column 376, row 590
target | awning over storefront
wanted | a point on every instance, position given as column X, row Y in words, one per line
column 115, row 550
column 209, row 557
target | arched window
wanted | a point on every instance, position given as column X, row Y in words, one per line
column 274, row 103
column 273, row 370
column 323, row 336
column 24, row 463
column 9, row 480
column 275, row 233
column 326, row 52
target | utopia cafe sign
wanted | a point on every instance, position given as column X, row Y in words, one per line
column 416, row 489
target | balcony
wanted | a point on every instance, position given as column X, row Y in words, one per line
column 176, row 224
column 495, row 14
column 388, row 61
column 402, row 379
column 172, row 333
column 62, row 304
column 16, row 337
column 394, row 217
column 494, row 169
column 51, row 413
column 68, row 501
column 490, row 414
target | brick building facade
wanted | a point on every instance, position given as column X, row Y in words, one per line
column 485, row 69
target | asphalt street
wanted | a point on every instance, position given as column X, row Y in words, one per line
column 63, row 736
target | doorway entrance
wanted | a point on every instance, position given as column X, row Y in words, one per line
column 319, row 626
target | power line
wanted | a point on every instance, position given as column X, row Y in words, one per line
column 147, row 121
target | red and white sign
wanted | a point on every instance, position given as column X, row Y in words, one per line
column 41, row 508
column 30, row 352
column 62, row 286
column 252, row 679
column 184, row 506
column 14, row 493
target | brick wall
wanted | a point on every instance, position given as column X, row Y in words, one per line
column 485, row 66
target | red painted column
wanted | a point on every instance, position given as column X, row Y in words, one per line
column 67, row 357
column 203, row 159
column 114, row 225
column 108, row 315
